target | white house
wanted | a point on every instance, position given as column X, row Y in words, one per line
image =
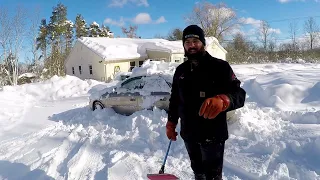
column 100, row 58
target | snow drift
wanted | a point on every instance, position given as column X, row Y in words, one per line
column 48, row 131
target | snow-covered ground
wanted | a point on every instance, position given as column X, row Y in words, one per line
column 47, row 130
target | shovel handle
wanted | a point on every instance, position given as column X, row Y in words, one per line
column 165, row 159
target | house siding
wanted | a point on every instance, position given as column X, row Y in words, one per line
column 84, row 57
column 178, row 58
column 123, row 67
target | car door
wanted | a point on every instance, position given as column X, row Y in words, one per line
column 125, row 99
column 159, row 94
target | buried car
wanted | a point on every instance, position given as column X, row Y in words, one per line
column 137, row 93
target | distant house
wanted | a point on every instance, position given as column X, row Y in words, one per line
column 101, row 58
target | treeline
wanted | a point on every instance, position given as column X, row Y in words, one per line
column 56, row 37
column 49, row 40
column 262, row 44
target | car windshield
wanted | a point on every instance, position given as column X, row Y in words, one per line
column 133, row 83
column 147, row 83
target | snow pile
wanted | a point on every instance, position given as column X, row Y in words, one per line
column 288, row 89
column 155, row 67
column 64, row 139
column 52, row 89
column 157, row 73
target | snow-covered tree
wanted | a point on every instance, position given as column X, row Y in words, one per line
column 94, row 30
column 104, row 31
column 69, row 35
column 80, row 27
column 57, row 30
column 12, row 32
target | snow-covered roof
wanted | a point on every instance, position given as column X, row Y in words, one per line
column 131, row 48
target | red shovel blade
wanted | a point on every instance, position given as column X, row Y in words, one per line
column 162, row 176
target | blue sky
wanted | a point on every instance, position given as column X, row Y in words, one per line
column 160, row 16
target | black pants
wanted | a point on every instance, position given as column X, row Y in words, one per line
column 206, row 159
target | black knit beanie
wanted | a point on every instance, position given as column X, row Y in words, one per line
column 195, row 32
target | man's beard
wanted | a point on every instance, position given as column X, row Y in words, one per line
column 195, row 56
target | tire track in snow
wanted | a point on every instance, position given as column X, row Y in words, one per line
column 86, row 162
column 70, row 145
column 16, row 148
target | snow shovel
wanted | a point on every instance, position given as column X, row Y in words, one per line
column 162, row 175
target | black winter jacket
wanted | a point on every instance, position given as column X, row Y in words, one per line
column 191, row 86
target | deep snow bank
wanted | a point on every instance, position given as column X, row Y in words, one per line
column 287, row 89
column 52, row 89
column 153, row 82
column 267, row 141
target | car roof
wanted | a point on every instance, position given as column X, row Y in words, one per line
column 145, row 75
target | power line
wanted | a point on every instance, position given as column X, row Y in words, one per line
column 281, row 20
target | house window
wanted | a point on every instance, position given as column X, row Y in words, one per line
column 80, row 70
column 72, row 70
column 132, row 65
column 140, row 63
column 90, row 69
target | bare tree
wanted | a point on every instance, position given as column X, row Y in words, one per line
column 131, row 32
column 216, row 20
column 239, row 42
column 293, row 30
column 32, row 36
column 11, row 37
column 264, row 34
column 5, row 31
column 311, row 28
column 16, row 40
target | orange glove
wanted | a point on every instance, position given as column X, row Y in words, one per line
column 171, row 131
column 211, row 107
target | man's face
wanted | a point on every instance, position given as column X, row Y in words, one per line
column 192, row 46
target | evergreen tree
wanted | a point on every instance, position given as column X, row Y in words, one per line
column 42, row 40
column 104, row 31
column 81, row 27
column 94, row 30
column 175, row 34
column 69, row 35
column 57, row 34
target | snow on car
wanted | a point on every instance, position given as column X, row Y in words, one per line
column 137, row 93
column 134, row 94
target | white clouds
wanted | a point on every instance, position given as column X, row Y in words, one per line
column 145, row 18
column 255, row 25
column 160, row 20
column 121, row 3
column 141, row 18
column 121, row 22
column 254, row 22
column 276, row 31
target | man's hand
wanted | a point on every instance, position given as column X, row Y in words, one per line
column 171, row 131
column 211, row 107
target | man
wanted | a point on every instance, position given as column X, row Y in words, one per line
column 204, row 89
